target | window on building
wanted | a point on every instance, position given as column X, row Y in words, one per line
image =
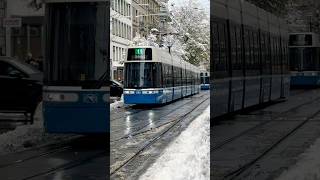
column 114, row 53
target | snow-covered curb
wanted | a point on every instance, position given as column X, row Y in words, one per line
column 308, row 166
column 188, row 156
column 117, row 104
column 26, row 136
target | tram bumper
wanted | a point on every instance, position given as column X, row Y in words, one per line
column 144, row 97
column 88, row 114
column 305, row 80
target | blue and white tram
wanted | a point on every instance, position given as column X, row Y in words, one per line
column 304, row 49
column 205, row 80
column 76, row 90
column 155, row 76
column 249, row 57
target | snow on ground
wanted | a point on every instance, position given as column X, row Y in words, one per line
column 188, row 156
column 26, row 136
column 117, row 104
column 307, row 167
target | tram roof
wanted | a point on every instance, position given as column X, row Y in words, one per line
column 242, row 12
column 164, row 57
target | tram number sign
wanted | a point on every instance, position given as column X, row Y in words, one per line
column 12, row 22
column 139, row 51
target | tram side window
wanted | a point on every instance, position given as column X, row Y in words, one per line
column 188, row 77
column 286, row 57
column 233, row 44
column 282, row 65
column 263, row 53
column 246, row 48
column 239, row 46
column 221, row 64
column 167, row 75
column 177, row 76
column 279, row 55
column 249, row 51
column 272, row 46
column 183, row 73
column 309, row 59
column 256, row 53
column 268, row 54
column 252, row 50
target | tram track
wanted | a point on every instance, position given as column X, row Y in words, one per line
column 52, row 149
column 236, row 173
column 68, row 165
column 283, row 114
column 74, row 148
column 148, row 124
column 155, row 139
column 148, row 108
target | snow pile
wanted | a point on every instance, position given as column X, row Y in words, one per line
column 307, row 168
column 27, row 136
column 188, row 157
column 117, row 104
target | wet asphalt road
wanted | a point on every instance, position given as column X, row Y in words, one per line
column 249, row 147
column 81, row 158
column 139, row 134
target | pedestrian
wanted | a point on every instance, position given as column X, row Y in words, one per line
column 29, row 58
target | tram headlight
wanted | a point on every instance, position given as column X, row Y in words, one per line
column 128, row 92
column 150, row 92
column 61, row 97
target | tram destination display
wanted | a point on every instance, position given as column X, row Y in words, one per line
column 139, row 54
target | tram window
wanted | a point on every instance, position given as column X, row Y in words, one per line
column 143, row 75
column 81, row 60
column 250, row 60
column 295, row 62
column 183, row 76
column 233, row 45
column 256, row 51
column 278, row 57
column 300, row 40
column 239, row 47
column 223, row 49
column 309, row 59
column 215, row 45
column 167, row 75
column 263, row 49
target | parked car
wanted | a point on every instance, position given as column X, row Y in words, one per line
column 116, row 89
column 21, row 86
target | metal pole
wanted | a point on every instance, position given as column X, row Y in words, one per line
column 28, row 38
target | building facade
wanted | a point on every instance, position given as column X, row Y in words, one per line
column 145, row 16
column 304, row 16
column 2, row 28
column 129, row 18
column 121, row 35
column 29, row 37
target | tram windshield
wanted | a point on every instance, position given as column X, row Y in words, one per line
column 142, row 75
column 205, row 80
column 76, row 43
column 304, row 59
